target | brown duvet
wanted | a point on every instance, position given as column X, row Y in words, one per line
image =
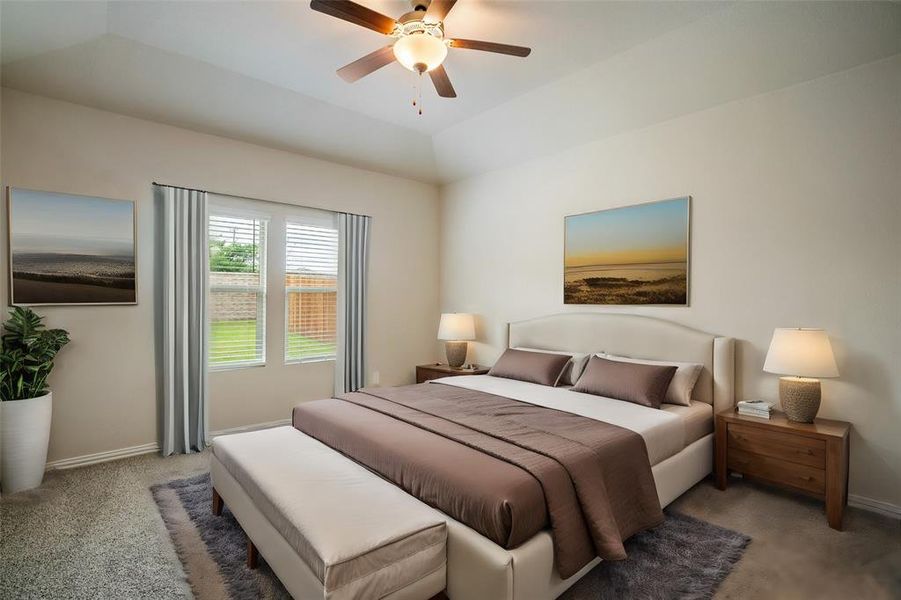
column 505, row 468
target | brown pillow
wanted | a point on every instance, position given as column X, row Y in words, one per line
column 632, row 382
column 534, row 367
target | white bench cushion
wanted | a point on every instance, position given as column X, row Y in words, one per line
column 349, row 525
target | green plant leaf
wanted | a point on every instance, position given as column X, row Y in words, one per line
column 27, row 351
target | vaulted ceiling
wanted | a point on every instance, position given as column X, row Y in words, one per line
column 265, row 71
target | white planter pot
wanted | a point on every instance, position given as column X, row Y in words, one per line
column 24, row 436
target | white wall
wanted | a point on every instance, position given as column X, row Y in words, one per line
column 736, row 51
column 796, row 220
column 104, row 386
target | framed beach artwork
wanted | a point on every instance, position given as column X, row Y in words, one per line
column 628, row 256
column 68, row 249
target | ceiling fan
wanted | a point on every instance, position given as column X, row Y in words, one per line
column 419, row 41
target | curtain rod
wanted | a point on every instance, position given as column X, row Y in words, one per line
column 181, row 187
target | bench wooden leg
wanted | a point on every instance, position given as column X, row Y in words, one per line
column 253, row 555
column 217, row 503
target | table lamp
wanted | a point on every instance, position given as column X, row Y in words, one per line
column 802, row 355
column 456, row 329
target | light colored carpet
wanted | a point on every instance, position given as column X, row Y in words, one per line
column 93, row 533
column 794, row 553
column 96, row 533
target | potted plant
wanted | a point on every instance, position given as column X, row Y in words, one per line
column 26, row 359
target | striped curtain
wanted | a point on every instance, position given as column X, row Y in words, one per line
column 184, row 255
column 353, row 264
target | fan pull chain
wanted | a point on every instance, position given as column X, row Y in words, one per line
column 417, row 94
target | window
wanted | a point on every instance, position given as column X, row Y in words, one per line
column 237, row 300
column 262, row 252
column 311, row 275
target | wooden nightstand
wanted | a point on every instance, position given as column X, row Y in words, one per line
column 436, row 370
column 810, row 458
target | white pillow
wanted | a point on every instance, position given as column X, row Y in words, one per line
column 682, row 383
column 573, row 370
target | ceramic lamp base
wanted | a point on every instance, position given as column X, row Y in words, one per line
column 456, row 353
column 800, row 398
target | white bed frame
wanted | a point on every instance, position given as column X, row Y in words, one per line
column 479, row 569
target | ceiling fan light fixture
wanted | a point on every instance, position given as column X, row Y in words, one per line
column 419, row 41
column 420, row 52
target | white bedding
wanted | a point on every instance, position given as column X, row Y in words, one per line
column 666, row 431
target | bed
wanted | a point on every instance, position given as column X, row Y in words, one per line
column 527, row 572
column 678, row 439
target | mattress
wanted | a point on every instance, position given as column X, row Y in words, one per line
column 697, row 419
column 666, row 431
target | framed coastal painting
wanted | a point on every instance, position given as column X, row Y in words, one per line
column 628, row 256
column 68, row 249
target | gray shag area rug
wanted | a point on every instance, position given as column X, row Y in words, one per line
column 684, row 558
column 212, row 549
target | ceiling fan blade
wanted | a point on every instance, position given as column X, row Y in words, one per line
column 491, row 47
column 355, row 13
column 442, row 82
column 364, row 66
column 438, row 9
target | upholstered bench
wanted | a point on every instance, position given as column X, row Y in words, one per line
column 327, row 527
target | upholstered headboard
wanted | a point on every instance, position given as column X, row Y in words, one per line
column 637, row 336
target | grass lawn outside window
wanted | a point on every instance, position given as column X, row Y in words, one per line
column 243, row 333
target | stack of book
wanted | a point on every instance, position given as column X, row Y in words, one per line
column 755, row 408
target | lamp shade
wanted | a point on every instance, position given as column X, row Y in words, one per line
column 456, row 327
column 420, row 51
column 801, row 352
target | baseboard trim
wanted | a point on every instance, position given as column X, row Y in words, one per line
column 877, row 506
column 254, row 427
column 102, row 457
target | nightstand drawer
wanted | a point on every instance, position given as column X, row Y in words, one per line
column 781, row 446
column 778, row 471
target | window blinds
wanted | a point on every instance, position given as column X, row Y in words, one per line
column 311, row 274
column 237, row 301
